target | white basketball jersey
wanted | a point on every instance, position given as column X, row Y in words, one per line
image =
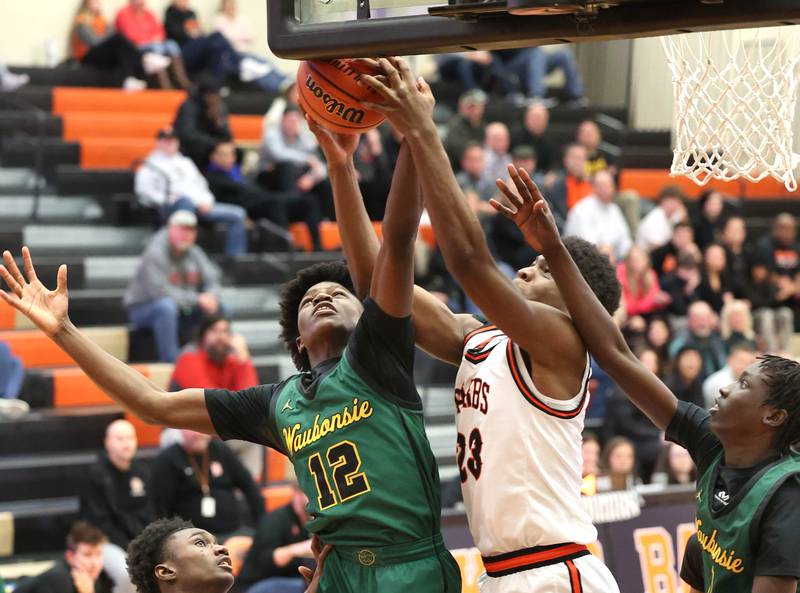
column 519, row 451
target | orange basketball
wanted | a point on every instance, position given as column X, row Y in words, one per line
column 331, row 91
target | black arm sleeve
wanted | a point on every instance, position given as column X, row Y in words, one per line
column 381, row 350
column 95, row 507
column 778, row 535
column 689, row 428
column 164, row 476
column 248, row 415
column 244, row 482
column 692, row 565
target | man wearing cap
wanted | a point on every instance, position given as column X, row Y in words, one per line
column 169, row 181
column 174, row 284
column 468, row 126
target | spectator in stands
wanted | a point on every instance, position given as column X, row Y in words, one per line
column 10, row 82
column 169, row 181
column 290, row 161
column 736, row 324
column 198, row 479
column 281, row 545
column 715, row 288
column 590, row 453
column 202, row 122
column 468, row 126
column 701, row 334
column 674, row 466
column 117, row 498
column 472, row 69
column 640, row 288
column 220, row 360
column 624, row 419
column 534, row 133
column 657, row 338
column 774, row 321
column 142, row 28
column 496, row 144
column 665, row 258
column 742, row 355
column 780, row 250
column 710, row 218
column 737, row 257
column 618, row 466
column 94, row 43
column 281, row 207
column 568, row 187
column 174, row 284
column 374, row 173
column 81, row 569
column 598, row 219
column 683, row 284
column 655, row 229
column 589, row 136
column 12, row 373
column 531, row 65
column 686, row 378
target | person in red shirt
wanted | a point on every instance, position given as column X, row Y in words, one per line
column 220, row 361
column 140, row 26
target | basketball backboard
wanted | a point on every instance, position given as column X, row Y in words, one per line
column 303, row 29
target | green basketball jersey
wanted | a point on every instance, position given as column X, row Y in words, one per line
column 726, row 537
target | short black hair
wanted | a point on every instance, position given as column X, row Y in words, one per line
column 294, row 291
column 82, row 532
column 147, row 550
column 597, row 270
column 782, row 377
column 209, row 321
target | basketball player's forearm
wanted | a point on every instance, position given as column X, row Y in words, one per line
column 605, row 342
column 774, row 585
column 458, row 232
column 359, row 242
column 122, row 383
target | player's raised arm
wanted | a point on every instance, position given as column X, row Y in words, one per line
column 601, row 335
column 438, row 331
column 48, row 309
column 459, row 234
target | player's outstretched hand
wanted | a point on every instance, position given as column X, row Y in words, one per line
column 529, row 210
column 312, row 577
column 46, row 308
column 407, row 101
column 337, row 148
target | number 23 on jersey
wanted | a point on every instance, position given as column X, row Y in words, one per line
column 343, row 465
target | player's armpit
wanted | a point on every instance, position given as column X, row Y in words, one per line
column 774, row 585
column 439, row 331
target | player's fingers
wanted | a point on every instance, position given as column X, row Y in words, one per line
column 379, row 107
column 502, row 209
column 61, row 279
column 522, row 189
column 367, row 63
column 11, row 299
column 324, row 554
column 306, row 573
column 391, row 73
column 27, row 264
column 378, row 86
column 536, row 195
column 12, row 268
column 512, row 197
column 405, row 71
column 13, row 285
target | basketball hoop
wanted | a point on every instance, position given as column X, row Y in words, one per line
column 735, row 97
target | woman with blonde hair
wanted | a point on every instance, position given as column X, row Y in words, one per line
column 736, row 324
column 640, row 288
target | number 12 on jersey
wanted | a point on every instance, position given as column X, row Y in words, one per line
column 343, row 464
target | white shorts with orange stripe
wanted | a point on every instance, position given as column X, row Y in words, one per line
column 586, row 574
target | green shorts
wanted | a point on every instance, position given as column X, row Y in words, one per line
column 423, row 566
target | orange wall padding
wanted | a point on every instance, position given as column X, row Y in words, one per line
column 649, row 182
column 66, row 99
column 71, row 388
column 8, row 316
column 35, row 349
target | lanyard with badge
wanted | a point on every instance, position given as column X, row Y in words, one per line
column 208, row 505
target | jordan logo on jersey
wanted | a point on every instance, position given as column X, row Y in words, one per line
column 476, row 395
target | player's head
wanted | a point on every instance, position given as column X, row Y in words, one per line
column 85, row 548
column 175, row 555
column 318, row 306
column 762, row 404
column 536, row 283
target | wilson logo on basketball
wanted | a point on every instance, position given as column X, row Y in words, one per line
column 333, row 105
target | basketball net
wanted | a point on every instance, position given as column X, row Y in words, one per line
column 735, row 97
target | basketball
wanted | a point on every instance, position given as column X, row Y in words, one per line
column 331, row 92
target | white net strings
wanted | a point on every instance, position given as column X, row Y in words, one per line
column 735, row 97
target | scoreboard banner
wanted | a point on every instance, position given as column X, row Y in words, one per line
column 644, row 552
